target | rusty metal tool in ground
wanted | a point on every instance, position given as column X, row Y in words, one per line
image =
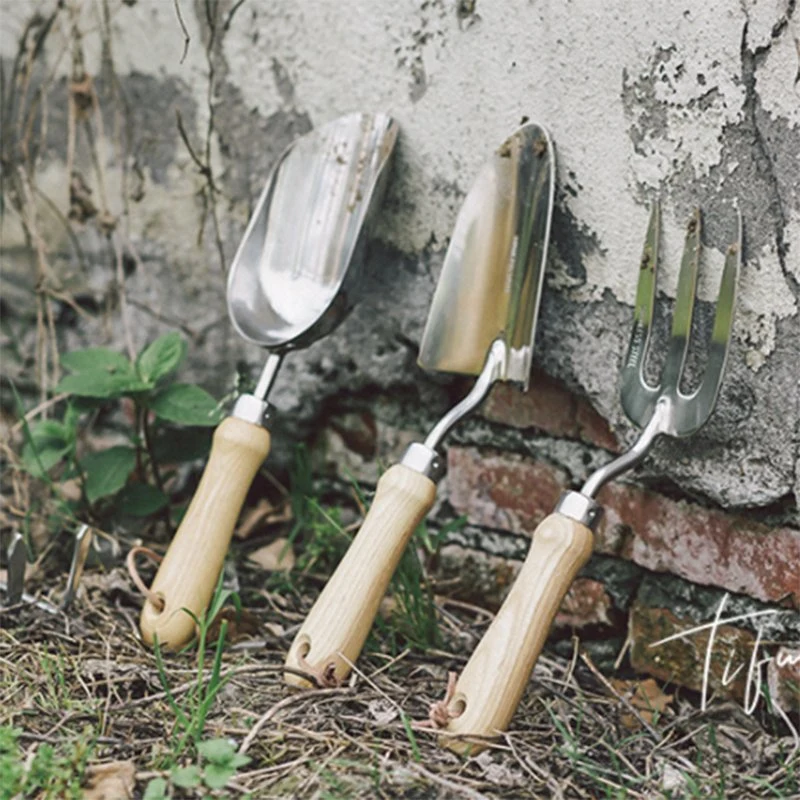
column 293, row 279
column 16, row 564
column 16, row 561
column 481, row 322
column 490, row 687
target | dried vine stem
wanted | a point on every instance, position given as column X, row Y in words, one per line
column 186, row 38
column 46, row 357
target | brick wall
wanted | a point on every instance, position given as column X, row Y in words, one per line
column 664, row 563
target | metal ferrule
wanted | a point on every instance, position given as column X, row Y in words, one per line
column 581, row 508
column 253, row 409
column 424, row 460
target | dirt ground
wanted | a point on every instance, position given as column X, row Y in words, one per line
column 83, row 683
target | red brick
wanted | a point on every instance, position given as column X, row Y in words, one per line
column 550, row 406
column 733, row 661
column 586, row 603
column 705, row 546
column 682, row 661
column 501, row 491
column 594, row 428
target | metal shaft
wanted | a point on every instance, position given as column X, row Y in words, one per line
column 268, row 375
column 633, row 456
column 491, row 371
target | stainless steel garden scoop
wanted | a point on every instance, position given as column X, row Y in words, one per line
column 489, row 689
column 292, row 281
column 481, row 322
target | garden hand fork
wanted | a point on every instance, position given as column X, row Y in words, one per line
column 490, row 687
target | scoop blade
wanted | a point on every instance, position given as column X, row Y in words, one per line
column 491, row 280
column 293, row 276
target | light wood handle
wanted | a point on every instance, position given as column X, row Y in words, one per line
column 491, row 685
column 189, row 572
column 345, row 610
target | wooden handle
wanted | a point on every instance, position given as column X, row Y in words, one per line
column 344, row 612
column 189, row 572
column 491, row 685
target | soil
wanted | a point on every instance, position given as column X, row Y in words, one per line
column 577, row 733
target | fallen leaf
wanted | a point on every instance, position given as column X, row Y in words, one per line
column 241, row 624
column 387, row 607
column 382, row 712
column 263, row 515
column 114, row 581
column 112, row 781
column 275, row 629
column 275, row 557
column 646, row 696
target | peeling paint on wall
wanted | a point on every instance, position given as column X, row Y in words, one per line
column 696, row 103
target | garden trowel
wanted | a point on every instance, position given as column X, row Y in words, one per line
column 481, row 322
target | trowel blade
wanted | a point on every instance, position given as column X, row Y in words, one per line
column 491, row 280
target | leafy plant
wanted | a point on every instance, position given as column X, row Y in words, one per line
column 222, row 761
column 124, row 478
column 53, row 773
column 414, row 618
column 191, row 712
column 324, row 539
column 218, row 762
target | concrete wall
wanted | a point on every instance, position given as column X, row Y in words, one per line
column 696, row 102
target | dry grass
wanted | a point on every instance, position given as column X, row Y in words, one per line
column 85, row 675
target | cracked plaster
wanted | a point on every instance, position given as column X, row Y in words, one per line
column 696, row 102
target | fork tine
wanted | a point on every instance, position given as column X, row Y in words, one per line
column 694, row 410
column 16, row 569
column 637, row 396
column 684, row 306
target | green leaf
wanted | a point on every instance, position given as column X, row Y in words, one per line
column 94, row 359
column 161, row 357
column 107, row 471
column 72, row 415
column 39, row 461
column 216, row 776
column 49, row 429
column 141, row 500
column 103, row 383
column 156, row 790
column 239, row 760
column 100, row 373
column 49, row 443
column 218, row 751
column 186, row 777
column 186, row 404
